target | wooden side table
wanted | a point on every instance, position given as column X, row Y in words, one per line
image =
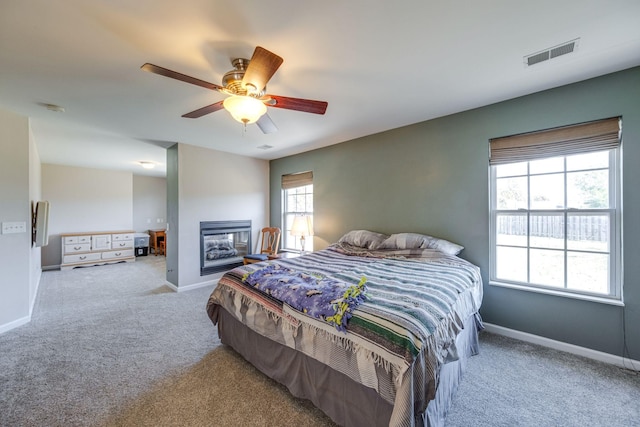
column 282, row 255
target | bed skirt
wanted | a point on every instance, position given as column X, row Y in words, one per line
column 345, row 401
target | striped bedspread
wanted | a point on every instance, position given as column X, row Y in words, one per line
column 416, row 304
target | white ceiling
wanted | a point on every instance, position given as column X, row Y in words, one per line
column 380, row 65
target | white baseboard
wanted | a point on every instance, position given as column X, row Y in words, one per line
column 50, row 267
column 193, row 286
column 32, row 303
column 14, row 324
column 612, row 359
column 23, row 320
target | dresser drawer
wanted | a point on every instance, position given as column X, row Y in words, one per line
column 70, row 240
column 121, row 244
column 124, row 236
column 118, row 254
column 70, row 259
column 78, row 247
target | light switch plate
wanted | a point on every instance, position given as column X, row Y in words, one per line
column 14, row 227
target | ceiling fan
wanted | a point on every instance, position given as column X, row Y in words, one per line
column 246, row 84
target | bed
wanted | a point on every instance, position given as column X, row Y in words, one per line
column 393, row 351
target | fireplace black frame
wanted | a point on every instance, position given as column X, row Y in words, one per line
column 208, row 228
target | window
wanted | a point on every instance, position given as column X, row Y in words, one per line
column 297, row 199
column 555, row 210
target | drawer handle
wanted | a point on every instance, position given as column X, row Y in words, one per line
column 123, row 244
column 118, row 253
column 82, row 258
column 77, row 248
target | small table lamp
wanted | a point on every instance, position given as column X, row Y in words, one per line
column 302, row 227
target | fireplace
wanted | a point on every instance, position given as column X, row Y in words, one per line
column 223, row 245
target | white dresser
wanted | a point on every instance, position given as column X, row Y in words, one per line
column 104, row 247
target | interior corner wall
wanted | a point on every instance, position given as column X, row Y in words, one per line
column 173, row 215
column 433, row 177
column 35, row 195
column 15, row 249
column 149, row 203
column 210, row 186
column 84, row 199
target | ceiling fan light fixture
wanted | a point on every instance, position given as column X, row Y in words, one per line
column 245, row 109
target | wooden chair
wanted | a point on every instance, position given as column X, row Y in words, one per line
column 157, row 236
column 270, row 240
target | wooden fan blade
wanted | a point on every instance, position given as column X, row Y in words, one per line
column 266, row 125
column 306, row 105
column 179, row 76
column 204, row 110
column 262, row 67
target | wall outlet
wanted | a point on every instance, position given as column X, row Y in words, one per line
column 148, row 220
column 14, row 227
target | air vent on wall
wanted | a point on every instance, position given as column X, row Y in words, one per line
column 550, row 53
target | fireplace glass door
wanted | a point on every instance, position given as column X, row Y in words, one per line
column 223, row 245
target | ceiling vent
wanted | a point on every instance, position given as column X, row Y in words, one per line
column 551, row 53
column 265, row 147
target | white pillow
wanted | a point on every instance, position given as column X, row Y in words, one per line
column 445, row 246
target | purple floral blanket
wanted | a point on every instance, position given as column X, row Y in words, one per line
column 315, row 295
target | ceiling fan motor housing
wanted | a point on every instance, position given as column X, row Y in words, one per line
column 232, row 80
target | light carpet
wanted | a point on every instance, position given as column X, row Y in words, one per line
column 114, row 346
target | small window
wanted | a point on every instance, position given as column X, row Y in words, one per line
column 555, row 219
column 297, row 199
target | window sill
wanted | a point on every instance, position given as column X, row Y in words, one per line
column 591, row 298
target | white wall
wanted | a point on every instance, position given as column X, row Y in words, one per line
column 214, row 186
column 16, row 253
column 149, row 203
column 83, row 199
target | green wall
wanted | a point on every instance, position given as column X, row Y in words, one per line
column 432, row 177
column 173, row 213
